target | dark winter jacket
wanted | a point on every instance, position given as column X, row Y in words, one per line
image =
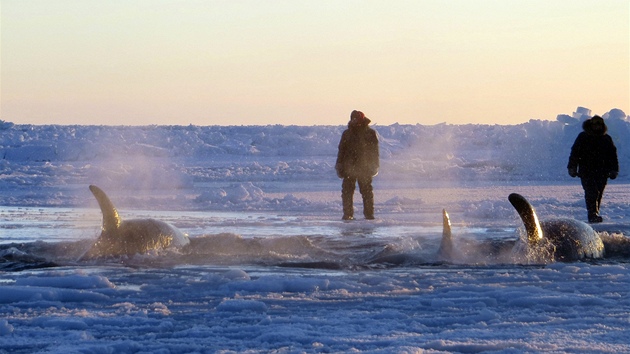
column 593, row 152
column 358, row 151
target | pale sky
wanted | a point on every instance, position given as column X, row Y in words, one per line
column 204, row 62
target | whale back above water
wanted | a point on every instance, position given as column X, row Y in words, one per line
column 128, row 237
column 445, row 253
column 564, row 239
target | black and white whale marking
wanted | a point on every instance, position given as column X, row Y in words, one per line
column 566, row 239
column 127, row 237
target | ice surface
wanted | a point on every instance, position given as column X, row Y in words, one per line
column 274, row 269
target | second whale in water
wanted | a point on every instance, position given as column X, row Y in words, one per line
column 560, row 239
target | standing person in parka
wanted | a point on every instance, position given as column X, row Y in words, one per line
column 357, row 161
column 594, row 159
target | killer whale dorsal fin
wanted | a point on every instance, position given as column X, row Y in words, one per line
column 446, row 246
column 446, row 226
column 528, row 214
column 111, row 219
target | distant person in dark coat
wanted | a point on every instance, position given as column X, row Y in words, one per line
column 594, row 159
column 357, row 161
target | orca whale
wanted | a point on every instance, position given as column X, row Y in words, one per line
column 564, row 239
column 446, row 252
column 128, row 237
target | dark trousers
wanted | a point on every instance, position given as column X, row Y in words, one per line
column 365, row 188
column 593, row 191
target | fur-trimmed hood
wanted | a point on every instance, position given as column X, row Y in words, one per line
column 588, row 126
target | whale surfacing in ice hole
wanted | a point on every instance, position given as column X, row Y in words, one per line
column 128, row 237
column 569, row 239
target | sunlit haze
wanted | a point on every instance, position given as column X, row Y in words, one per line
column 311, row 62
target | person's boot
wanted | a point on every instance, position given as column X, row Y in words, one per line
column 348, row 210
column 593, row 214
column 368, row 208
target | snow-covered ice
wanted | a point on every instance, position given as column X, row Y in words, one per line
column 274, row 269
